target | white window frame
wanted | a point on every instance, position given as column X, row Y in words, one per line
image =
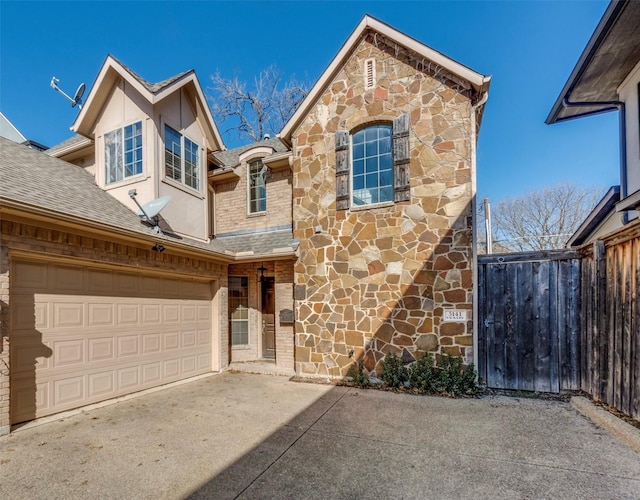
column 352, row 189
column 248, row 318
column 249, row 189
column 186, row 144
column 121, row 153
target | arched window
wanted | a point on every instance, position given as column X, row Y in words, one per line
column 371, row 166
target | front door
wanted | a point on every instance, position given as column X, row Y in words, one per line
column 268, row 318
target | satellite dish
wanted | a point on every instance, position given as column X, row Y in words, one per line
column 154, row 207
column 77, row 98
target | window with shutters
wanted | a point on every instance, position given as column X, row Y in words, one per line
column 372, row 165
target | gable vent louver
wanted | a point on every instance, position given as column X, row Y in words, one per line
column 369, row 74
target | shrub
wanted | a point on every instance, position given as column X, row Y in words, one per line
column 423, row 375
column 455, row 379
column 358, row 374
column 393, row 371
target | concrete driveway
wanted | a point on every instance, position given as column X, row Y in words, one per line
column 251, row 436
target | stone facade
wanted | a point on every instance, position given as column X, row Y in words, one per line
column 371, row 281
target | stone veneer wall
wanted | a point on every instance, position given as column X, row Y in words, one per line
column 377, row 280
column 58, row 242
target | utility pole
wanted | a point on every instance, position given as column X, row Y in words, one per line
column 487, row 225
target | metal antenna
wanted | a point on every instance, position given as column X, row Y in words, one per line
column 76, row 100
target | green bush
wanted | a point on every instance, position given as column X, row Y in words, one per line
column 358, row 374
column 455, row 379
column 423, row 374
column 393, row 371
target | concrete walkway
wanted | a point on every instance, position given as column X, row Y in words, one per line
column 252, row 436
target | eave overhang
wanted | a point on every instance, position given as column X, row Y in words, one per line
column 610, row 55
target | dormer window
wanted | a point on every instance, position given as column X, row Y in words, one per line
column 123, row 153
column 181, row 158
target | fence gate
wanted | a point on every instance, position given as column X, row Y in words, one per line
column 529, row 328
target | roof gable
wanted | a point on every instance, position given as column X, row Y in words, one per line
column 112, row 70
column 478, row 82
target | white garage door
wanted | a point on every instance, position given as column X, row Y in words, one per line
column 81, row 335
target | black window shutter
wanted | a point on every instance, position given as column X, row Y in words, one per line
column 342, row 170
column 401, row 157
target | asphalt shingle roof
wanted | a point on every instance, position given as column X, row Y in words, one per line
column 153, row 87
column 231, row 158
column 76, row 139
column 35, row 179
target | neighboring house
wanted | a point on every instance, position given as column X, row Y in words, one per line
column 9, row 131
column 607, row 78
column 348, row 237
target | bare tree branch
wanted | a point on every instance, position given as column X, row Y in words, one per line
column 543, row 219
column 262, row 109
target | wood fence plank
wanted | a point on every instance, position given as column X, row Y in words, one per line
column 617, row 328
column 600, row 322
column 495, row 332
column 541, row 327
column 481, row 329
column 609, row 313
column 572, row 377
column 555, row 327
column 512, row 333
column 635, row 330
column 624, row 266
column 526, row 354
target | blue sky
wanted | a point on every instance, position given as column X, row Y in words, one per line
column 529, row 47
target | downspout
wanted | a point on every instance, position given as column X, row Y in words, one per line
column 474, row 229
column 622, row 118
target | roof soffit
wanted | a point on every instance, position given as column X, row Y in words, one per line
column 609, row 56
column 478, row 81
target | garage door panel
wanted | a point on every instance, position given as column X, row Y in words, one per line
column 151, row 314
column 68, row 315
column 151, row 343
column 127, row 346
column 30, row 274
column 188, row 364
column 68, row 390
column 117, row 335
column 101, row 384
column 100, row 314
column 151, row 373
column 27, row 314
column 67, row 278
column 127, row 314
column 128, row 378
column 68, row 353
column 100, row 349
column 100, row 282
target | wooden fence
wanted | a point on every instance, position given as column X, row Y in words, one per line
column 564, row 320
column 527, row 337
column 611, row 323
